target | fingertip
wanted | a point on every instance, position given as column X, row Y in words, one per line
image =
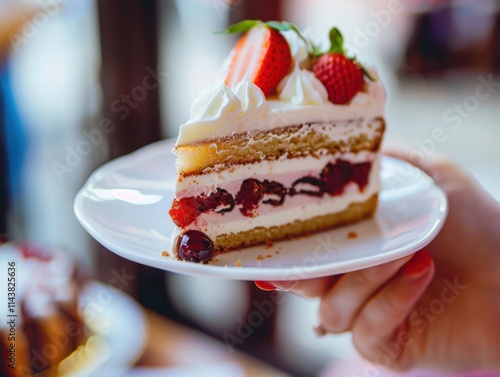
column 419, row 265
column 284, row 286
column 265, row 285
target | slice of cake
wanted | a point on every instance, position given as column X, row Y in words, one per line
column 287, row 145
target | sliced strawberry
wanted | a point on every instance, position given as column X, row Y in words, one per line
column 263, row 55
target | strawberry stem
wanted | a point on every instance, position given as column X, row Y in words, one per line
column 246, row 25
column 336, row 42
column 240, row 27
column 286, row 26
column 366, row 73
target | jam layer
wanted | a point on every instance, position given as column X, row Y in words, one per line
column 253, row 193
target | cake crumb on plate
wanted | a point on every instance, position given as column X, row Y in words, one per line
column 352, row 235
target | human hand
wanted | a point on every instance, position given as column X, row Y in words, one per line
column 438, row 308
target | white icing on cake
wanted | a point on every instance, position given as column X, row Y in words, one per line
column 218, row 113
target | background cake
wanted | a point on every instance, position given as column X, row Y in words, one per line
column 286, row 146
column 41, row 324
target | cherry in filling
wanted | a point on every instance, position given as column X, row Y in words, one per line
column 331, row 181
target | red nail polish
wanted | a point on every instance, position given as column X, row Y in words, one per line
column 418, row 265
column 265, row 286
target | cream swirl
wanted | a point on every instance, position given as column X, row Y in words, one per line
column 250, row 96
column 214, row 103
column 301, row 87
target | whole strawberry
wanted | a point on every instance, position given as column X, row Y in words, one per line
column 342, row 77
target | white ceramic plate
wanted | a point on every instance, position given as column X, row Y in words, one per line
column 124, row 205
column 120, row 324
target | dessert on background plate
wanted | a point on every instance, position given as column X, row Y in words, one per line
column 55, row 322
column 41, row 324
column 286, row 145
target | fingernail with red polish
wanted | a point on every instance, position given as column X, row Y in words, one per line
column 418, row 265
column 265, row 285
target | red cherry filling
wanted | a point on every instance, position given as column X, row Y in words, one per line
column 219, row 201
column 360, row 174
column 336, row 176
column 274, row 193
column 184, row 211
column 195, row 246
column 250, row 194
column 332, row 181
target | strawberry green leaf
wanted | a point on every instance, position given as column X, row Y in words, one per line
column 366, row 73
column 286, row 26
column 336, row 42
column 316, row 50
column 240, row 27
column 246, row 25
column 279, row 25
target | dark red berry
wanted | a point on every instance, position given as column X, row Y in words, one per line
column 219, row 201
column 195, row 246
column 336, row 176
column 184, row 211
column 360, row 174
column 274, row 193
column 307, row 186
column 250, row 194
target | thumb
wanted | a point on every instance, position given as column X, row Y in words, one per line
column 440, row 168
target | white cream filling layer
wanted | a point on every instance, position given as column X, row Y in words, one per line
column 284, row 171
column 284, row 214
column 300, row 207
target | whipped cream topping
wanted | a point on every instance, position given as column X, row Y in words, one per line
column 251, row 97
column 229, row 119
column 301, row 87
column 214, row 103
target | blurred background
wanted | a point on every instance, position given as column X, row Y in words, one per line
column 70, row 67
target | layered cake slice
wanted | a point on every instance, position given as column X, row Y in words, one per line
column 287, row 145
